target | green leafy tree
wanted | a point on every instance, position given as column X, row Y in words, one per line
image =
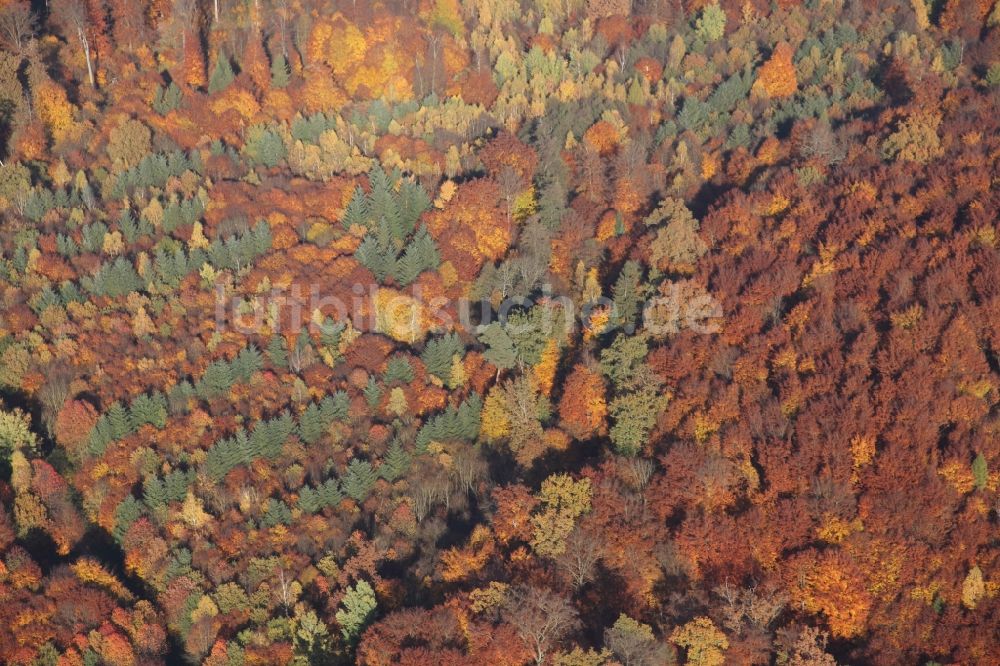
column 310, row 636
column 499, row 347
column 15, row 432
column 634, row 644
column 356, row 610
column 711, row 25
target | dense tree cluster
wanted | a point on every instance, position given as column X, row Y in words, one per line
column 730, row 388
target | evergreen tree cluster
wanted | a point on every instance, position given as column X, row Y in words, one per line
column 461, row 423
column 155, row 171
column 167, row 99
column 439, row 353
column 239, row 251
column 309, row 128
column 119, row 422
column 92, row 236
column 314, row 500
column 47, row 297
column 359, row 479
column 113, row 279
column 396, row 462
column 265, row 441
column 276, row 513
column 316, row 419
column 220, row 375
column 393, row 246
column 398, row 370
column 41, row 200
column 264, row 147
column 173, row 487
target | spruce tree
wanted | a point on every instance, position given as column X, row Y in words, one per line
column 222, row 75
column 154, row 493
column 311, row 424
column 372, row 392
column 398, row 369
column 329, row 493
column 277, row 352
column 396, row 462
column 309, row 500
column 118, row 419
column 279, row 71
column 359, row 479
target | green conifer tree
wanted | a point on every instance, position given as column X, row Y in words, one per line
column 222, row 75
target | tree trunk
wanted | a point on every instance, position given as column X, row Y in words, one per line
column 86, row 52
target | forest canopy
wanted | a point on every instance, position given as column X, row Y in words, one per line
column 577, row 333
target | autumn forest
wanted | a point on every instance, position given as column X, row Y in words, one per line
column 475, row 332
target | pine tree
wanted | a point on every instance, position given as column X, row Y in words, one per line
column 439, row 353
column 359, row 479
column 176, row 485
column 216, row 380
column 396, row 462
column 309, row 500
column 339, row 406
column 126, row 513
column 154, row 493
column 100, row 436
column 279, row 71
column 277, row 352
column 312, row 425
column 222, row 75
column 167, row 99
column 469, row 417
column 119, row 421
column 276, row 513
column 398, row 369
column 246, row 363
column 329, row 493
column 627, row 294
column 372, row 392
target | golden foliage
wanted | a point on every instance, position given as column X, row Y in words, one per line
column 706, row 645
column 776, row 78
column 495, row 422
column 89, row 570
column 973, row 588
column 399, row 316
